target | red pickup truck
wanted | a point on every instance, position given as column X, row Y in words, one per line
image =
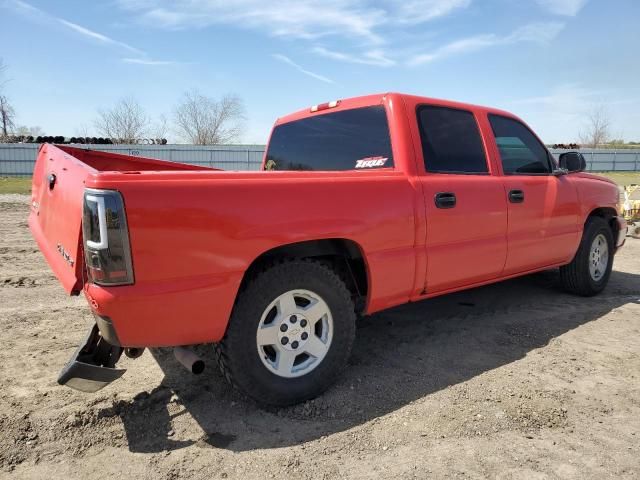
column 362, row 204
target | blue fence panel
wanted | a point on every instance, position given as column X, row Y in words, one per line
column 19, row 159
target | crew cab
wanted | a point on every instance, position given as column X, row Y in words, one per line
column 362, row 204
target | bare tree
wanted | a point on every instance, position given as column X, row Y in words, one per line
column 597, row 130
column 125, row 122
column 36, row 131
column 24, row 131
column 7, row 117
column 160, row 128
column 7, row 113
column 203, row 120
column 83, row 130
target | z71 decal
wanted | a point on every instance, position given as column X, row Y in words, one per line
column 370, row 162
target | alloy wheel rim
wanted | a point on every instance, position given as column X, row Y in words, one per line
column 295, row 333
column 598, row 257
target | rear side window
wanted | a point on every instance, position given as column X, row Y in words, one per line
column 520, row 151
column 345, row 140
column 451, row 141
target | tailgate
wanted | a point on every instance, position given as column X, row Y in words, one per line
column 56, row 213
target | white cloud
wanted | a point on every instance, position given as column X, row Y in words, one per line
column 371, row 57
column 535, row 32
column 288, row 61
column 559, row 115
column 569, row 97
column 300, row 19
column 369, row 22
column 97, row 36
column 154, row 63
column 307, row 19
column 541, row 33
column 563, row 7
column 418, row 11
column 33, row 13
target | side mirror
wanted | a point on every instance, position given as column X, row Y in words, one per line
column 573, row 162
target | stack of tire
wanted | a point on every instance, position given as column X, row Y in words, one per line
column 84, row 140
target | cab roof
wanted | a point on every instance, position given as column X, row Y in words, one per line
column 381, row 98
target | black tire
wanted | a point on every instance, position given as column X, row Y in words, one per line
column 237, row 353
column 576, row 277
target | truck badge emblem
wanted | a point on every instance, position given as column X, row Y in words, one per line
column 65, row 254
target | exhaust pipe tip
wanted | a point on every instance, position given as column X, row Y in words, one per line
column 133, row 352
column 198, row 367
column 189, row 360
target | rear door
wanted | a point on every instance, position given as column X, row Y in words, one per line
column 56, row 213
column 542, row 208
column 466, row 210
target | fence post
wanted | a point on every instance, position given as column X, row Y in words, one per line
column 614, row 160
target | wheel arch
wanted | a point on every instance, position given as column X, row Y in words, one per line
column 609, row 214
column 344, row 255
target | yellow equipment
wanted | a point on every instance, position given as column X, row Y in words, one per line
column 631, row 208
column 631, row 205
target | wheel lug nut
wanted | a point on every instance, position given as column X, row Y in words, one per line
column 304, row 335
column 283, row 327
column 294, row 344
column 285, row 340
column 303, row 323
column 293, row 319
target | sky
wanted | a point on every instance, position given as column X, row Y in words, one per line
column 551, row 62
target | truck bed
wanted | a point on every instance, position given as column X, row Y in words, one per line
column 106, row 161
column 60, row 177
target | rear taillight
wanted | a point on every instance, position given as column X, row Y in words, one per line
column 106, row 238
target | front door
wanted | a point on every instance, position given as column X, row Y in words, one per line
column 542, row 208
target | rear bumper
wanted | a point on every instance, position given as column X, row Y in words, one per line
column 174, row 313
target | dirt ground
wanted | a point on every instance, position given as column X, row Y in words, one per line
column 514, row 380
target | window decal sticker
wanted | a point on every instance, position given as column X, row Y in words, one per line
column 370, row 162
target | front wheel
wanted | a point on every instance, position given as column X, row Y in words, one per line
column 589, row 271
column 290, row 333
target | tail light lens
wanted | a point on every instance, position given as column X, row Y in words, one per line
column 106, row 238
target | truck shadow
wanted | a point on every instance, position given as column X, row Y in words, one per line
column 400, row 355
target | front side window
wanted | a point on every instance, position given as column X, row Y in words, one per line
column 451, row 141
column 520, row 151
column 344, row 140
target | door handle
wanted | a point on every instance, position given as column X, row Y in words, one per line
column 516, row 196
column 445, row 200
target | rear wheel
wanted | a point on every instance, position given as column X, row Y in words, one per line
column 290, row 333
column 589, row 271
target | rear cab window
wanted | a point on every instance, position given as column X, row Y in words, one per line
column 451, row 141
column 355, row 139
column 521, row 152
